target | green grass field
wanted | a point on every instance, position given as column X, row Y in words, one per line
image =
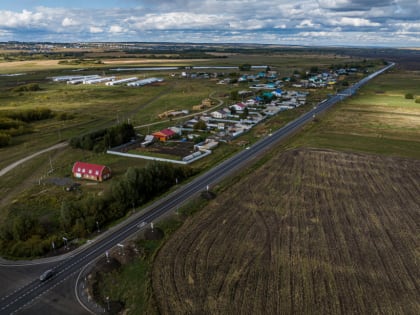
column 377, row 120
column 96, row 107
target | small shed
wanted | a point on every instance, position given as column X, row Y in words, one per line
column 164, row 135
column 90, row 171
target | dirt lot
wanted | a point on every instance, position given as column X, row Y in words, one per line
column 310, row 232
column 178, row 149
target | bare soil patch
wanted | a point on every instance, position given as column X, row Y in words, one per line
column 178, row 149
column 310, row 232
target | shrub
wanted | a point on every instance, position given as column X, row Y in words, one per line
column 5, row 139
column 31, row 87
column 418, row 100
column 409, row 96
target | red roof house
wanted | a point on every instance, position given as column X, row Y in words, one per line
column 164, row 135
column 91, row 171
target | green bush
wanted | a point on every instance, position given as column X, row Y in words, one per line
column 409, row 96
column 418, row 100
column 30, row 87
column 31, row 115
column 5, row 139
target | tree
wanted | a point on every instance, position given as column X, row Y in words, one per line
column 314, row 69
column 245, row 113
column 234, row 95
column 200, row 125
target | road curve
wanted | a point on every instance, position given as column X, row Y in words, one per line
column 21, row 298
column 17, row 163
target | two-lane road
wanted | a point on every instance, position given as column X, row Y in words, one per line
column 21, row 298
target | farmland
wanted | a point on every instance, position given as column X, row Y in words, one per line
column 378, row 120
column 323, row 232
column 320, row 232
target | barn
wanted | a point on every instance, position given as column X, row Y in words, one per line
column 90, row 171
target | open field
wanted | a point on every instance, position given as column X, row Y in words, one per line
column 377, row 120
column 323, row 232
column 96, row 107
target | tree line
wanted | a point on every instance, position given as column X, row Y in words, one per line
column 23, row 234
column 101, row 140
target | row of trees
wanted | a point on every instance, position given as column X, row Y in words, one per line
column 24, row 235
column 101, row 140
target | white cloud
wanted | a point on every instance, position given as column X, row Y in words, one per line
column 116, row 29
column 95, row 30
column 356, row 22
column 23, row 19
column 307, row 24
column 177, row 20
column 299, row 21
column 69, row 22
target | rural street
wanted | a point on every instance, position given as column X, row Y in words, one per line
column 23, row 298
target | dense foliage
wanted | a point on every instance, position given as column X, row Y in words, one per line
column 30, row 87
column 101, row 140
column 23, row 234
column 16, row 123
column 31, row 115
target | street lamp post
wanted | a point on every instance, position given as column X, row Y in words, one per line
column 65, row 242
column 107, row 302
column 97, row 225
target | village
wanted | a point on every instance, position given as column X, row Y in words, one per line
column 199, row 130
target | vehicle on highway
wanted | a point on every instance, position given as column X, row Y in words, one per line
column 46, row 275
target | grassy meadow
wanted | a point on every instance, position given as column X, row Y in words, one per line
column 379, row 119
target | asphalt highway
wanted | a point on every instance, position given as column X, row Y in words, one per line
column 24, row 296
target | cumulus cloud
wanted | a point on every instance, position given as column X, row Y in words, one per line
column 116, row 29
column 20, row 19
column 349, row 5
column 356, row 22
column 95, row 29
column 69, row 22
column 176, row 20
column 260, row 21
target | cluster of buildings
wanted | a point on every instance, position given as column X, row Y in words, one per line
column 229, row 122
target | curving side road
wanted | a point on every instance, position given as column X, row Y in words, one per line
column 21, row 298
column 17, row 163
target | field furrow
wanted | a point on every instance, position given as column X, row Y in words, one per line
column 310, row 232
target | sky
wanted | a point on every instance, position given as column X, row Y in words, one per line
column 387, row 23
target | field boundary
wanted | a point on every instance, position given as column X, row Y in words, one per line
column 147, row 157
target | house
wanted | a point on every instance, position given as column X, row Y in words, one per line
column 90, row 171
column 239, row 106
column 164, row 135
column 147, row 141
column 218, row 114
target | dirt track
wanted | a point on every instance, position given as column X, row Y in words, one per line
column 17, row 163
column 311, row 232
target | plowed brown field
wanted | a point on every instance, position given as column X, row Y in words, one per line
column 310, row 232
